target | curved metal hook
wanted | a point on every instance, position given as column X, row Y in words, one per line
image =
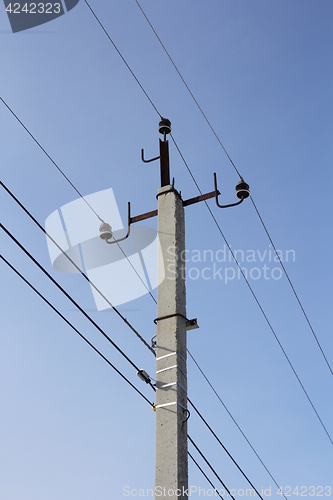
column 128, row 228
column 147, row 161
column 217, row 196
column 188, row 416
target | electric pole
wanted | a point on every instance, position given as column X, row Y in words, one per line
column 171, row 457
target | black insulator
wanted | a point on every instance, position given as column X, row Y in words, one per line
column 164, row 127
column 242, row 190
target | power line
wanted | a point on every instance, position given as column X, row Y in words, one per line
column 220, row 230
column 63, row 253
column 11, row 194
column 100, row 354
column 108, row 362
column 225, row 449
column 209, row 465
column 187, row 87
column 203, row 473
column 151, row 102
column 211, row 430
column 50, row 158
column 292, row 286
column 234, row 420
column 253, row 294
column 68, row 296
column 96, row 326
column 122, row 58
column 75, row 329
column 136, row 272
column 216, row 437
column 77, row 267
column 76, row 190
column 206, row 203
column 235, row 168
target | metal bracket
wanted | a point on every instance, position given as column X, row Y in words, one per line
column 141, row 217
column 128, row 227
column 191, row 324
column 164, row 154
column 202, row 197
column 147, row 161
column 242, row 192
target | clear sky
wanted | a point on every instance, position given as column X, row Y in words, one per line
column 70, row 427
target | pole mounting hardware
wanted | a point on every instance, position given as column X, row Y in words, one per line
column 153, row 341
column 143, row 375
column 191, row 324
column 147, row 161
column 242, row 192
column 188, row 416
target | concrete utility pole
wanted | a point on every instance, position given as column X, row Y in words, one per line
column 171, row 459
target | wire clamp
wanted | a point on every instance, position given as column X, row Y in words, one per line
column 143, row 375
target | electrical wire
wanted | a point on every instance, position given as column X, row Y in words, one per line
column 50, row 158
column 110, row 340
column 109, row 363
column 235, row 422
column 212, row 215
column 191, row 174
column 121, row 249
column 203, row 473
column 87, row 316
column 195, row 182
column 77, row 267
column 209, row 465
column 187, row 87
column 222, row 445
column 75, row 189
column 253, row 294
column 68, row 296
column 292, row 286
column 199, row 191
column 122, row 58
column 75, row 329
column 220, row 230
column 219, row 441
column 225, row 449
column 235, row 168
column 136, row 272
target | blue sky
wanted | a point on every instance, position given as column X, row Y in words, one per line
column 262, row 71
